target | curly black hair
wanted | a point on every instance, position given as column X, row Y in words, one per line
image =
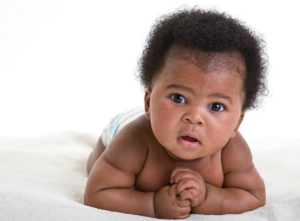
column 207, row 31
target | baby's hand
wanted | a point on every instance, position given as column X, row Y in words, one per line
column 168, row 205
column 190, row 185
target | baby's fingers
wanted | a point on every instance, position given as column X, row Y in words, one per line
column 181, row 175
column 182, row 203
column 172, row 191
column 187, row 184
column 184, row 173
column 189, row 194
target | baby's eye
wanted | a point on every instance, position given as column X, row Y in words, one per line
column 177, row 98
column 217, row 107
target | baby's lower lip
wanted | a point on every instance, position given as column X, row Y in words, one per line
column 188, row 144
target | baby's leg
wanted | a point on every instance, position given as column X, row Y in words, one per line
column 96, row 153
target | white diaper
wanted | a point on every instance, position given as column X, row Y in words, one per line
column 119, row 121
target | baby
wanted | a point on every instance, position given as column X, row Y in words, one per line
column 202, row 70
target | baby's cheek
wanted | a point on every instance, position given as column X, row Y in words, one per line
column 218, row 136
column 165, row 121
column 164, row 130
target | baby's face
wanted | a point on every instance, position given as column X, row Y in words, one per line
column 194, row 113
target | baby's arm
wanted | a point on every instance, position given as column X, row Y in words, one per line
column 243, row 188
column 114, row 173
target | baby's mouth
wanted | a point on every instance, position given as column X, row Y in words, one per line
column 189, row 142
column 190, row 139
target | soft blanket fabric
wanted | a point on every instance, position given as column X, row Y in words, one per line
column 44, row 179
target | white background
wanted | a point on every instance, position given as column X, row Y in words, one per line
column 70, row 65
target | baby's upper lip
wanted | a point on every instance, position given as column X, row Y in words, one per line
column 189, row 134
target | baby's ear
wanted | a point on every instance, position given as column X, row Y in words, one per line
column 147, row 102
column 239, row 124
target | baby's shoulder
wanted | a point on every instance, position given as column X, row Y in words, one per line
column 129, row 147
column 136, row 132
column 236, row 155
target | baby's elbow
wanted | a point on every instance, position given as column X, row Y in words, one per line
column 262, row 200
column 261, row 196
column 87, row 199
column 263, row 203
column 90, row 199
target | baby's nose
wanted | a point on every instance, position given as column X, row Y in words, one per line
column 194, row 117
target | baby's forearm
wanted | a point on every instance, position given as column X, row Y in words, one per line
column 227, row 201
column 123, row 200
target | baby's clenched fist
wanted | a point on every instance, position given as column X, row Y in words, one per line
column 169, row 205
column 190, row 185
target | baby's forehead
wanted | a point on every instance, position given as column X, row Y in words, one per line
column 208, row 61
column 221, row 67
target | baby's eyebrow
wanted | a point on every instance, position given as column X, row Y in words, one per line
column 180, row 87
column 221, row 96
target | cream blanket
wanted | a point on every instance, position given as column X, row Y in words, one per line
column 44, row 179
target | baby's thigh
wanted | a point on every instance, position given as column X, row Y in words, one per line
column 95, row 154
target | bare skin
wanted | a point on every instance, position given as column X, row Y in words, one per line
column 154, row 168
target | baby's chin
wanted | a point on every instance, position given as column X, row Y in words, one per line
column 186, row 157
